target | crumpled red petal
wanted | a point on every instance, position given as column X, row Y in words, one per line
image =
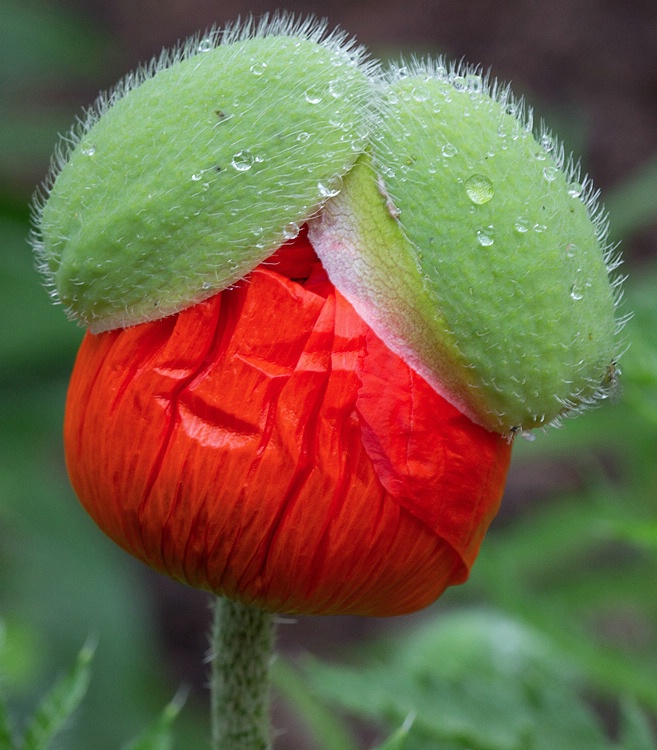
column 267, row 446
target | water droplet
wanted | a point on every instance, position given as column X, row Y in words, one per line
column 197, row 176
column 448, row 150
column 205, row 45
column 550, row 173
column 474, row 82
column 420, row 93
column 486, row 237
column 243, row 160
column 291, row 230
column 539, row 228
column 88, row 150
column 336, row 88
column 258, row 68
column 522, row 224
column 576, row 291
column 313, row 97
column 303, row 136
column 575, row 190
column 330, row 189
column 571, row 250
column 547, row 143
column 460, row 83
column 479, row 189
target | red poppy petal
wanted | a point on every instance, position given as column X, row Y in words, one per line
column 446, row 470
column 294, row 259
column 225, row 446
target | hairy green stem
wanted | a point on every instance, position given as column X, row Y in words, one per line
column 241, row 651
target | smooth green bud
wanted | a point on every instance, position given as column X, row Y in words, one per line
column 197, row 168
column 473, row 251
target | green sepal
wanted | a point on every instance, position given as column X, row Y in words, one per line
column 469, row 247
column 195, row 170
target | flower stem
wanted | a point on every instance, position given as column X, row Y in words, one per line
column 241, row 651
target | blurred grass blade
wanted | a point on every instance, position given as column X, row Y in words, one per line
column 159, row 736
column 397, row 740
column 635, row 732
column 640, row 533
column 328, row 732
column 6, row 739
column 58, row 704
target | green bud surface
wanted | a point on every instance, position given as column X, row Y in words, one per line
column 470, row 247
column 195, row 169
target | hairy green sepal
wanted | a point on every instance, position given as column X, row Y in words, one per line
column 470, row 252
column 189, row 180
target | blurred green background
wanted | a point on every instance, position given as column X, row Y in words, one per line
column 553, row 642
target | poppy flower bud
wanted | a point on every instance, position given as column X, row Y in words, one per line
column 321, row 302
column 473, row 250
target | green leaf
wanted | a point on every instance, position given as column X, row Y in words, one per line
column 642, row 533
column 159, row 736
column 328, row 731
column 60, row 702
column 6, row 737
column 636, row 732
column 476, row 680
column 397, row 740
